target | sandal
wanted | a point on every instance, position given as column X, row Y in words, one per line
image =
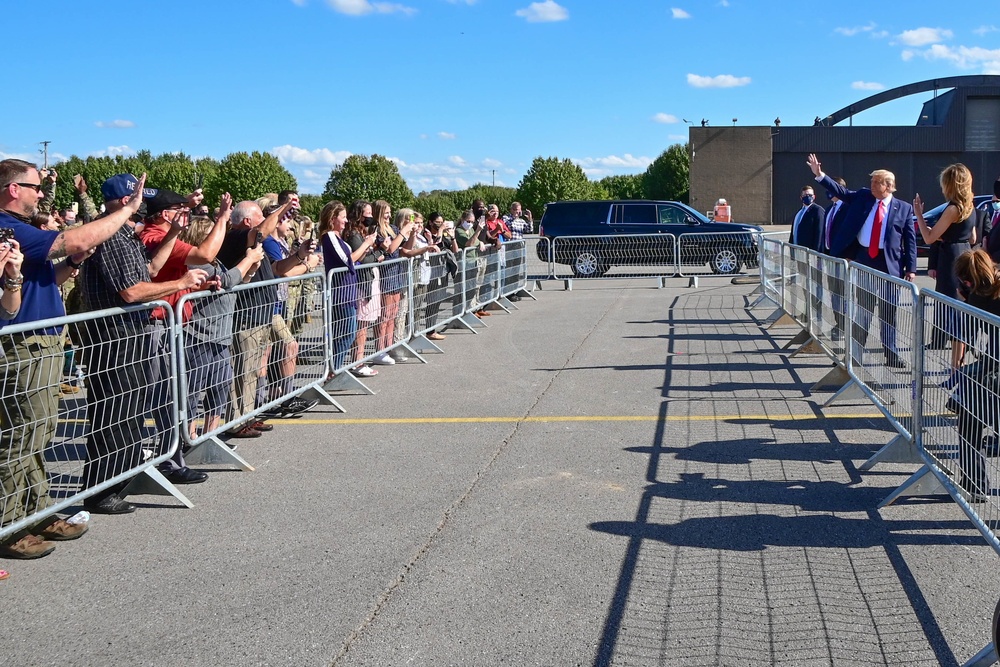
column 363, row 371
column 4, row 574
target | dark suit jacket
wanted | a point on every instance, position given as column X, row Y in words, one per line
column 900, row 249
column 811, row 228
column 838, row 221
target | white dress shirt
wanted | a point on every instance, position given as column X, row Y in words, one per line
column 865, row 235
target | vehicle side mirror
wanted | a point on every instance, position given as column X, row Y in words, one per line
column 693, row 221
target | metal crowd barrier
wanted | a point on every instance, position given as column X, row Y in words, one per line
column 772, row 282
column 719, row 253
column 61, row 442
column 437, row 297
column 623, row 256
column 255, row 355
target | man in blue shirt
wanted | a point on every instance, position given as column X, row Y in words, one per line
column 33, row 359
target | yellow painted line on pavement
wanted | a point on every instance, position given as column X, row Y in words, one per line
column 575, row 418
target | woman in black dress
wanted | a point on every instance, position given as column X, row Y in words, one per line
column 956, row 232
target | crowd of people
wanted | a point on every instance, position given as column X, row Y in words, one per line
column 241, row 344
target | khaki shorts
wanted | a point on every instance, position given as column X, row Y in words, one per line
column 280, row 333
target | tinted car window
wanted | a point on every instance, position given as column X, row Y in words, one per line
column 638, row 214
column 575, row 217
column 670, row 215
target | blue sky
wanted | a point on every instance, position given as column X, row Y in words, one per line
column 455, row 90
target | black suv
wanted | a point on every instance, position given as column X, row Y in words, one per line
column 655, row 226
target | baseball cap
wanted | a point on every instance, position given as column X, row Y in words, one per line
column 161, row 199
column 118, row 186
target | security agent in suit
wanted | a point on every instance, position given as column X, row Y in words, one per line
column 877, row 232
column 807, row 231
column 834, row 219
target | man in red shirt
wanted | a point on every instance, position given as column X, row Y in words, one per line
column 167, row 213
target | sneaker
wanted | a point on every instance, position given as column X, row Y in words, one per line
column 109, row 505
column 297, row 406
column 384, row 360
column 60, row 530
column 363, row 372
column 26, row 548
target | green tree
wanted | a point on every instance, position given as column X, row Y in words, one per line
column 250, row 175
column 437, row 201
column 551, row 179
column 491, row 194
column 623, row 186
column 311, row 205
column 669, row 176
column 369, row 178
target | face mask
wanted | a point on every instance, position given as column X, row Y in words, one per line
column 466, row 225
column 996, row 206
column 369, row 221
column 807, row 199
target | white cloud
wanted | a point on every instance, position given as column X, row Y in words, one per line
column 867, row 85
column 665, row 118
column 677, row 137
column 543, row 12
column 679, row 13
column 457, row 160
column 924, row 36
column 880, row 34
column 720, row 81
column 490, row 163
column 462, row 2
column 610, row 162
column 117, row 124
column 315, row 175
column 984, row 29
column 962, row 57
column 362, row 7
column 423, row 136
column 724, row 3
column 854, row 30
column 446, row 135
column 111, row 151
column 288, row 154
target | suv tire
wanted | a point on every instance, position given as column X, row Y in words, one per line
column 587, row 264
column 725, row 261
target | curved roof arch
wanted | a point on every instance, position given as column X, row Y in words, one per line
column 911, row 89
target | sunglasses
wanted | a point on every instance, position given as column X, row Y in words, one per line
column 37, row 187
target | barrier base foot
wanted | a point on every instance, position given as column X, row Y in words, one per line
column 567, row 285
column 524, row 293
column 318, row 392
column 693, row 281
column 759, row 289
column 661, row 282
column 412, row 352
column 836, row 379
column 921, row 483
column 811, row 346
column 899, row 450
column 785, row 320
column 421, row 345
column 799, row 339
column 761, row 299
column 986, row 657
column 852, row 390
column 214, row 451
column 506, row 304
column 472, row 322
column 344, row 381
column 152, row 482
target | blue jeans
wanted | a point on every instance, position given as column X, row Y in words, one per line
column 345, row 327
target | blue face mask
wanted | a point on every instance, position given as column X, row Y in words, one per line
column 807, row 199
column 996, row 206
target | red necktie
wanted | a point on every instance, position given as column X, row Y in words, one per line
column 876, row 232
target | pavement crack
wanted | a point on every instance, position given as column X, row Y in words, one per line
column 456, row 504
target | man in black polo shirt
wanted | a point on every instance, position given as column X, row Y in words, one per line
column 119, row 354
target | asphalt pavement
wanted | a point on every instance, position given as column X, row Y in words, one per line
column 616, row 475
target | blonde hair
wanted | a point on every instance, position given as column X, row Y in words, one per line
column 956, row 186
column 378, row 208
column 976, row 267
column 267, row 201
column 886, row 178
column 403, row 217
column 197, row 230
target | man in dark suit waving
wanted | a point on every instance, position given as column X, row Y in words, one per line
column 877, row 232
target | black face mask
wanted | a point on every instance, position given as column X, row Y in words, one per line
column 369, row 222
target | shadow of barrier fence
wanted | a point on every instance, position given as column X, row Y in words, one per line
column 905, row 350
column 116, row 399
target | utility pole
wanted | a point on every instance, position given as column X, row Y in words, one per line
column 494, row 177
column 45, row 153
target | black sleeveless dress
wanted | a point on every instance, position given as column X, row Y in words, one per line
column 953, row 243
